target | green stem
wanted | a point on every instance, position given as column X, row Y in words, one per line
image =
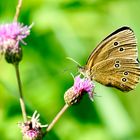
column 18, row 10
column 22, row 104
column 61, row 112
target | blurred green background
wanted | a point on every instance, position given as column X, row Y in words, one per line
column 68, row 28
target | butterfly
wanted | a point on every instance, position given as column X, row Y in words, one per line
column 114, row 62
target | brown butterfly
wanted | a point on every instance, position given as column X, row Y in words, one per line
column 114, row 62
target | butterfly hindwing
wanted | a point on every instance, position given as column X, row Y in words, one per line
column 121, row 73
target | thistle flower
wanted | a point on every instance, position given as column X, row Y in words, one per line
column 10, row 37
column 32, row 128
column 81, row 85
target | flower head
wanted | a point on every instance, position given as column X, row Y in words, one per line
column 83, row 85
column 12, row 34
column 10, row 37
column 80, row 86
column 32, row 128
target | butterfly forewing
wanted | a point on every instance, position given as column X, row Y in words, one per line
column 120, row 41
column 114, row 61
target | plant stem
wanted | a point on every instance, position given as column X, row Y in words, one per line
column 20, row 93
column 65, row 107
column 18, row 10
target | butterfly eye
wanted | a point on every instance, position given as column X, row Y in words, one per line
column 116, row 43
column 124, row 79
column 125, row 73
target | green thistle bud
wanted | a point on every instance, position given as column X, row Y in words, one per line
column 71, row 97
column 13, row 55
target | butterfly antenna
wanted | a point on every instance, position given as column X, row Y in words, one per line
column 72, row 75
column 69, row 58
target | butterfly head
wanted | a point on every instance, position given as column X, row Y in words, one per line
column 81, row 69
column 84, row 71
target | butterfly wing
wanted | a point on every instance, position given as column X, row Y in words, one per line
column 119, row 43
column 122, row 73
column 114, row 61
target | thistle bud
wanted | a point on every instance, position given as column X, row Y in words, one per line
column 71, row 97
column 13, row 55
column 81, row 85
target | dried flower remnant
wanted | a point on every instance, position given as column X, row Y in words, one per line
column 32, row 128
column 10, row 37
column 81, row 85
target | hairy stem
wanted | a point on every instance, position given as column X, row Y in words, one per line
column 65, row 107
column 18, row 10
column 22, row 104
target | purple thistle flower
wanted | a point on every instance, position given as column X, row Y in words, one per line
column 12, row 34
column 81, row 85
